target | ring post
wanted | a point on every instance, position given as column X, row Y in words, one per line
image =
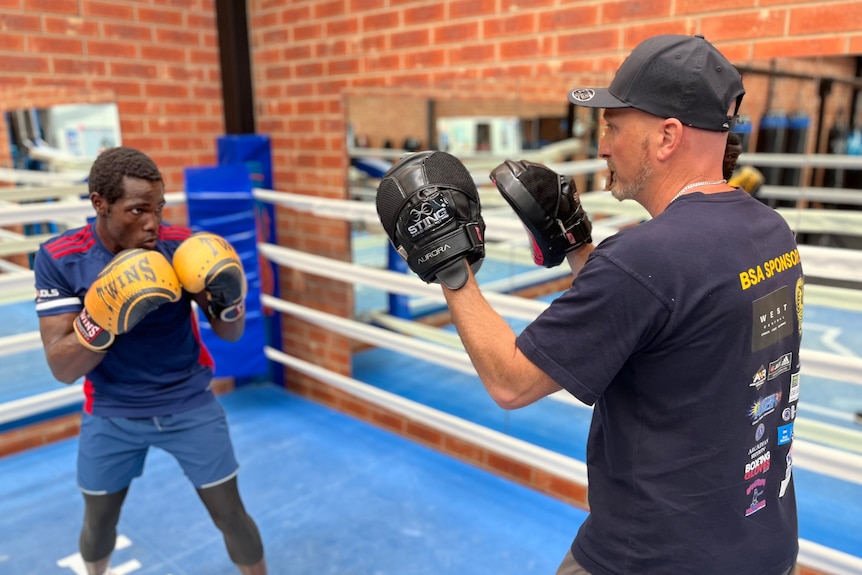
column 219, row 199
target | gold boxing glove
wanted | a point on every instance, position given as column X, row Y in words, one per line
column 208, row 262
column 132, row 285
column 748, row 178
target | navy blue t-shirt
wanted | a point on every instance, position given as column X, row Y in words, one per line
column 160, row 366
column 684, row 332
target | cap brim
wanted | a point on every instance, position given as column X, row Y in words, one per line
column 595, row 98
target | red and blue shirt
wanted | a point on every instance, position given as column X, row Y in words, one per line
column 159, row 367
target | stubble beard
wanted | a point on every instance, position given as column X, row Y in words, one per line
column 630, row 191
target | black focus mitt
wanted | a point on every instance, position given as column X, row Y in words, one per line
column 547, row 204
column 429, row 206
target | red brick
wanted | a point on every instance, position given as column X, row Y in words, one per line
column 471, row 54
column 20, row 23
column 456, row 33
column 39, row 434
column 387, row 421
column 112, row 10
column 71, row 26
column 163, row 53
column 463, row 449
column 754, row 24
column 423, row 15
column 411, row 39
column 322, row 9
column 10, row 42
column 517, row 25
column 697, row 6
column 344, row 66
column 111, row 49
column 468, row 8
column 509, row 467
column 179, row 37
column 55, row 45
column 60, row 6
column 29, row 64
column 170, row 17
column 588, row 42
column 365, row 5
column 426, row 59
column 342, row 27
column 126, row 70
column 564, row 19
column 519, row 49
column 793, row 47
column 825, row 19
column 79, row 67
column 307, row 32
column 626, row 10
column 125, row 33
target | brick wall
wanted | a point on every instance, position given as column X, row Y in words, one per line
column 158, row 60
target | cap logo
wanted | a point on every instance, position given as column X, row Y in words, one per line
column 583, row 94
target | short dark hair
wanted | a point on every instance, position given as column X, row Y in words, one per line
column 112, row 165
column 733, row 139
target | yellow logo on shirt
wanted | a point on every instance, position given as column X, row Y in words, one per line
column 769, row 268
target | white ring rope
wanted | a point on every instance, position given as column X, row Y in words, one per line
column 19, row 343
column 510, row 306
column 829, row 161
column 75, row 210
column 827, row 195
column 445, row 356
column 482, row 436
column 30, row 193
column 19, row 409
column 840, row 464
column 827, row 560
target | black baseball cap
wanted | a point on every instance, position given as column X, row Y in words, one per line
column 673, row 76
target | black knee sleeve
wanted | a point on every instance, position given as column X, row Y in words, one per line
column 99, row 532
column 241, row 535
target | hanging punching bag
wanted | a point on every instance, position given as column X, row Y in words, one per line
column 795, row 142
column 837, row 144
column 743, row 129
column 771, row 135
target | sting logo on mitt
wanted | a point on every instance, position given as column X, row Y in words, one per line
column 547, row 204
column 429, row 206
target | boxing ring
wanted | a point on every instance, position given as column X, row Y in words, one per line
column 333, row 494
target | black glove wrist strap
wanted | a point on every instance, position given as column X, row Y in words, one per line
column 578, row 233
column 577, row 227
column 444, row 249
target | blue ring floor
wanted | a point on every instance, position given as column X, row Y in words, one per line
column 330, row 494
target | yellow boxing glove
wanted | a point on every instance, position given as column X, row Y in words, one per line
column 748, row 178
column 207, row 262
column 132, row 285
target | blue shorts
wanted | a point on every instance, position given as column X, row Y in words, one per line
column 112, row 450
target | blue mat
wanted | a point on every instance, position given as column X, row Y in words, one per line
column 330, row 494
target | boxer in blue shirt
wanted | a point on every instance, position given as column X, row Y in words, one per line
column 114, row 300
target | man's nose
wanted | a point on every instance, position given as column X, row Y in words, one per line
column 152, row 221
column 603, row 151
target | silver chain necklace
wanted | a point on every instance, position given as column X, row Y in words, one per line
column 694, row 185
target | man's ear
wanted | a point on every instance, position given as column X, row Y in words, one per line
column 99, row 204
column 671, row 138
